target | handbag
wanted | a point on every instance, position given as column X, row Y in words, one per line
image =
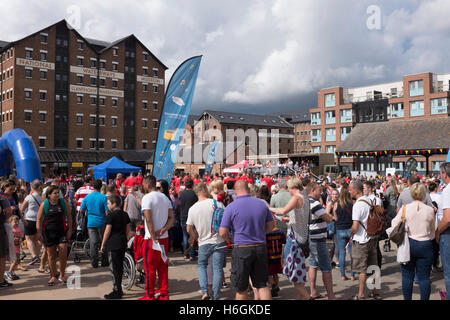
column 398, row 232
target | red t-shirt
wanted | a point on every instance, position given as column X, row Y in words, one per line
column 139, row 180
column 269, row 182
column 119, row 183
column 130, row 182
column 196, row 181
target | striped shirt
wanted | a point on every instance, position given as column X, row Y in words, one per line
column 81, row 193
column 317, row 226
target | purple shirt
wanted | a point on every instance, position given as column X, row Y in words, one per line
column 246, row 217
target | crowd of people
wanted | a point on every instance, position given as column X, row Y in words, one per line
column 272, row 224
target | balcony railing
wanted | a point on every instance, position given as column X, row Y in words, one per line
column 396, row 114
column 330, row 120
column 315, row 122
column 345, row 119
column 315, row 139
column 439, row 109
column 350, row 100
column 330, row 138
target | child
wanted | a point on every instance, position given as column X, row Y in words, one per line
column 115, row 239
column 274, row 241
column 18, row 234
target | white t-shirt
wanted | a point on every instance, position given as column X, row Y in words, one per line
column 378, row 201
column 446, row 197
column 440, row 212
column 34, row 202
column 200, row 216
column 360, row 213
column 159, row 204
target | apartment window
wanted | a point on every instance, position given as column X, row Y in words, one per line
column 42, row 116
column 29, row 54
column 115, row 52
column 115, row 66
column 144, row 105
column 44, row 38
column 145, row 57
column 345, row 131
column 144, row 123
column 93, row 63
column 58, row 58
column 155, row 72
column 28, row 94
column 102, row 64
column 80, row 61
column 416, row 108
column 155, row 89
column 114, row 144
column 393, row 92
column 439, row 106
column 93, row 100
column 58, row 77
column 144, row 144
column 43, row 56
column 346, row 115
column 27, row 115
column 155, row 124
column 102, row 120
column 80, row 99
column 416, row 88
column 115, row 83
column 145, row 71
column 114, row 121
column 43, row 75
column 79, row 118
column 43, row 95
column 28, row 73
column 79, row 143
column 315, row 118
column 42, row 142
column 64, row 98
column 80, row 79
column 102, row 101
column 93, row 119
column 102, row 82
column 114, row 102
column 155, row 106
column 395, row 110
column 330, row 117
column 330, row 100
column 145, row 87
column 315, row 149
column 80, row 45
column 92, row 143
column 93, row 81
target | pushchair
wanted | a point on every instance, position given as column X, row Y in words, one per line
column 80, row 244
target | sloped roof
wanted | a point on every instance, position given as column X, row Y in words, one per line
column 192, row 119
column 251, row 119
column 293, row 116
column 398, row 135
column 3, row 44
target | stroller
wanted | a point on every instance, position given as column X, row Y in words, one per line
column 80, row 244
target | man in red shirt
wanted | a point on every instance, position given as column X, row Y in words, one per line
column 130, row 181
column 268, row 180
column 139, row 178
column 119, row 181
column 196, row 179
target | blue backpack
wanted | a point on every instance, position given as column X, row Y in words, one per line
column 216, row 218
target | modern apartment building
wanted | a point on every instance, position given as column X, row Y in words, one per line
column 419, row 96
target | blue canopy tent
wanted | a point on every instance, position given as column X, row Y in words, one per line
column 112, row 167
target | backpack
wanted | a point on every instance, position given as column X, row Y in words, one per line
column 216, row 218
column 63, row 205
column 376, row 222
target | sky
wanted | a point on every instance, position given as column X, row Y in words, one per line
column 261, row 56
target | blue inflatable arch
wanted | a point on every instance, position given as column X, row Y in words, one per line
column 17, row 147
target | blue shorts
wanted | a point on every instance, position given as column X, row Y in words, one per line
column 319, row 256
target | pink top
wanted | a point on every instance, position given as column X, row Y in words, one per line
column 17, row 239
column 420, row 219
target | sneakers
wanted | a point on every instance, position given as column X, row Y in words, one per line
column 22, row 255
column 224, row 285
column 33, row 261
column 11, row 276
column 113, row 295
column 163, row 297
column 5, row 284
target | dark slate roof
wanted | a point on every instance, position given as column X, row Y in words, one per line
column 100, row 44
column 3, row 44
column 67, row 156
column 251, row 119
column 398, row 135
column 294, row 116
column 192, row 119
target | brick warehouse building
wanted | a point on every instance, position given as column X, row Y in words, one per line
column 339, row 110
column 82, row 100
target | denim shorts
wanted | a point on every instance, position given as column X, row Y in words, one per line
column 319, row 256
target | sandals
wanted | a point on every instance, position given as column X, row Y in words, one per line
column 356, row 297
column 375, row 296
column 206, row 297
column 51, row 283
column 316, row 298
column 46, row 271
column 64, row 280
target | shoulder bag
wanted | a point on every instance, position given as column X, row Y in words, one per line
column 398, row 233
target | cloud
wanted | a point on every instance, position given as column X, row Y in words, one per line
column 258, row 54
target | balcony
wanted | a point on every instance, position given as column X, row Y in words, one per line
column 350, row 100
column 439, row 109
column 346, row 119
column 330, row 138
column 396, row 114
column 315, row 138
column 315, row 122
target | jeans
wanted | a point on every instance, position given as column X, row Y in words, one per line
column 444, row 247
column 218, row 254
column 116, row 258
column 186, row 238
column 95, row 240
column 343, row 236
column 420, row 264
column 287, row 247
column 319, row 256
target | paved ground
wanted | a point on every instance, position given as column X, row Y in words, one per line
column 183, row 283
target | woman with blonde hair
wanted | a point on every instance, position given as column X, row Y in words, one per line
column 421, row 222
column 298, row 211
column 30, row 207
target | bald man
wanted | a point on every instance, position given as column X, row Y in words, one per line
column 250, row 220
